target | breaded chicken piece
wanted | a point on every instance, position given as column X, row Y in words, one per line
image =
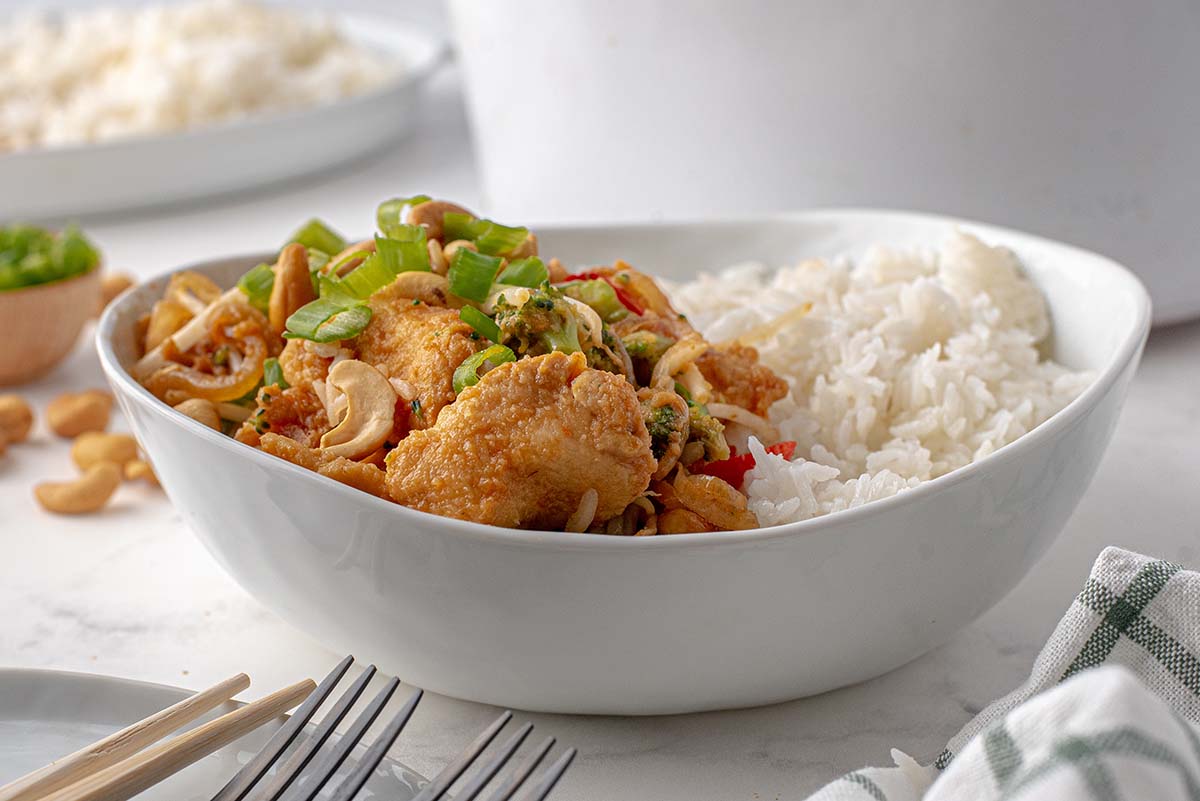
column 296, row 413
column 521, row 447
column 732, row 370
column 360, row 475
column 301, row 365
column 737, row 377
column 419, row 344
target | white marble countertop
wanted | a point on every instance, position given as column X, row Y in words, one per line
column 131, row 593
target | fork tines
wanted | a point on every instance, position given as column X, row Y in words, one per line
column 294, row 780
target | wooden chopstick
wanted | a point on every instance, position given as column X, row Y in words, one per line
column 125, row 743
column 128, row 778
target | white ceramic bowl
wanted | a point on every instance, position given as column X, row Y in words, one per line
column 569, row 623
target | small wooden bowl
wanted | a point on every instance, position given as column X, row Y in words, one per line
column 42, row 324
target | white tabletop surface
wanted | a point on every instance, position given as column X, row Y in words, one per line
column 129, row 592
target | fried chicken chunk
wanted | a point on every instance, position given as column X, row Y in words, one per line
column 419, row 344
column 295, row 413
column 520, row 448
column 360, row 475
column 738, row 378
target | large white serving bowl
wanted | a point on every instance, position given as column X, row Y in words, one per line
column 593, row 624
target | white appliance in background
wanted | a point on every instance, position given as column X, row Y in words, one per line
column 1079, row 120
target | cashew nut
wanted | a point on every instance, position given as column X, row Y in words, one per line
column 16, row 418
column 111, row 285
column 429, row 214
column 431, row 288
column 527, row 248
column 88, row 493
column 370, row 410
column 364, row 247
column 94, row 447
column 138, row 470
column 201, row 410
column 458, row 244
column 74, row 413
column 437, row 259
column 292, row 288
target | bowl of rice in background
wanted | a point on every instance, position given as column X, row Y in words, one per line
column 953, row 388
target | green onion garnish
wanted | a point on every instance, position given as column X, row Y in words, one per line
column 257, row 284
column 273, row 374
column 530, row 272
column 483, row 324
column 490, row 237
column 328, row 320
column 30, row 256
column 467, row 374
column 471, row 274
column 316, row 235
column 387, row 215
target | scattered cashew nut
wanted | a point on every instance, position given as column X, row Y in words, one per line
column 94, row 447
column 75, row 413
column 370, row 410
column 292, row 288
column 111, row 285
column 429, row 214
column 138, row 470
column 16, row 418
column 88, row 493
column 429, row 287
column 458, row 244
column 201, row 410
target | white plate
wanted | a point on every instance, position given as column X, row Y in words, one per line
column 150, row 171
column 45, row 714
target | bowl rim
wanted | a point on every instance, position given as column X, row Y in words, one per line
column 1127, row 351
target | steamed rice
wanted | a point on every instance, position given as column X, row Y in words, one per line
column 905, row 367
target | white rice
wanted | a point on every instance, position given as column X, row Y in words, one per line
column 908, row 365
column 94, row 74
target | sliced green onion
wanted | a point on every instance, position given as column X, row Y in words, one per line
column 530, row 272
column 405, row 252
column 273, row 374
column 257, row 284
column 483, row 324
column 599, row 295
column 332, row 267
column 490, row 237
column 391, row 257
column 315, row 234
column 467, row 374
column 317, row 259
column 327, row 320
column 471, row 274
column 31, row 255
column 387, row 215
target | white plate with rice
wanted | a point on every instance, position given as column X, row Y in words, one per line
column 115, row 109
column 952, row 396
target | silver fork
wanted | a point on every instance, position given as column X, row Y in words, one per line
column 293, row 781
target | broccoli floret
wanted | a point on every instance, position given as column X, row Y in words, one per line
column 709, row 432
column 661, row 422
column 542, row 323
column 647, row 345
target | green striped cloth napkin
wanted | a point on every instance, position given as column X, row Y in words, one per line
column 1110, row 712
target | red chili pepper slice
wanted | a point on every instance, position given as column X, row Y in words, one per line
column 733, row 470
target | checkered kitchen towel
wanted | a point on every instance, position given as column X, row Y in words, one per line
column 1111, row 711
